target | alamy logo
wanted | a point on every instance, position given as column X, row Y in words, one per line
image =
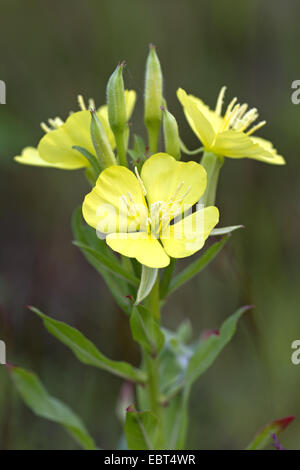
column 2, row 92
column 2, row 352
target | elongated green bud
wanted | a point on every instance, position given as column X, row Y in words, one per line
column 171, row 134
column 101, row 143
column 116, row 100
column 153, row 98
column 117, row 112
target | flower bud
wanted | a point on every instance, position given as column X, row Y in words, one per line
column 116, row 100
column 153, row 97
column 171, row 134
column 101, row 143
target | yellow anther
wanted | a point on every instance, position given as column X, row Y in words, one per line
column 92, row 103
column 81, row 103
column 45, row 128
column 55, row 123
column 220, row 101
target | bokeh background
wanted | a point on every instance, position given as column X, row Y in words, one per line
column 50, row 52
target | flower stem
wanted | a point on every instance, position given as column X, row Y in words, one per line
column 153, row 301
column 153, row 134
column 212, row 164
column 152, row 367
column 121, row 148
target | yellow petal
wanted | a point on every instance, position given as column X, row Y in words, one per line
column 30, row 156
column 56, row 146
column 116, row 203
column 270, row 154
column 139, row 245
column 130, row 99
column 199, row 120
column 102, row 113
column 235, row 144
column 189, row 234
column 167, row 179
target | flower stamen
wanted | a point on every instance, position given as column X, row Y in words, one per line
column 140, row 181
column 255, row 128
column 220, row 100
column 81, row 103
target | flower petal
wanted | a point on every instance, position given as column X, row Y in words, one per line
column 116, row 203
column 198, row 118
column 102, row 113
column 139, row 245
column 270, row 154
column 130, row 99
column 189, row 234
column 56, row 146
column 167, row 179
column 30, row 156
column 236, row 144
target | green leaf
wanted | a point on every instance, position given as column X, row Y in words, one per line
column 208, row 350
column 197, row 266
column 86, row 351
column 87, row 235
column 140, row 428
column 148, row 279
column 94, row 162
column 264, row 437
column 225, row 230
column 44, row 405
column 138, row 153
column 109, row 263
column 176, row 420
column 191, row 362
column 146, row 331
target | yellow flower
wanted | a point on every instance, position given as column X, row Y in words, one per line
column 148, row 216
column 55, row 148
column 228, row 136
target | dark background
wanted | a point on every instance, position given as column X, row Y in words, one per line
column 50, row 52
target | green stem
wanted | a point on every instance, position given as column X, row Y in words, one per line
column 121, row 148
column 212, row 164
column 152, row 367
column 153, row 301
column 153, row 133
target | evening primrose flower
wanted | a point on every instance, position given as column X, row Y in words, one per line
column 230, row 135
column 55, row 148
column 148, row 216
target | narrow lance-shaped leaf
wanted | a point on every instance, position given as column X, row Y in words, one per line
column 209, row 349
column 205, row 353
column 197, row 266
column 44, row 405
column 148, row 279
column 86, row 351
column 109, row 263
column 225, row 230
column 264, row 437
column 139, row 429
column 86, row 235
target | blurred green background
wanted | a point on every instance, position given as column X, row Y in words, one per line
column 50, row 52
